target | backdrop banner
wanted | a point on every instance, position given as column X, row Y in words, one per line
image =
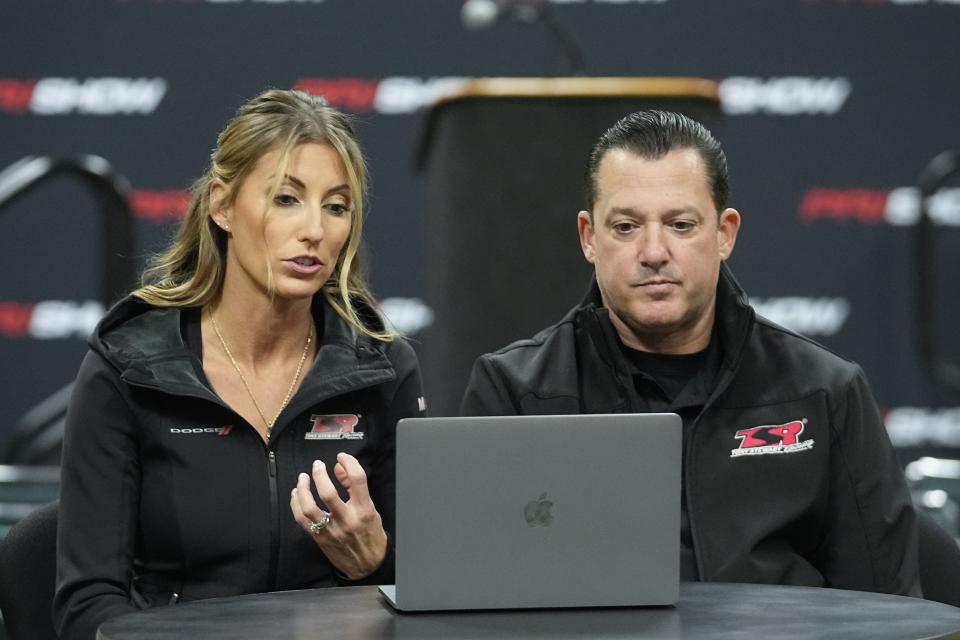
column 829, row 110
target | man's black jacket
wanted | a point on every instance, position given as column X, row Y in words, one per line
column 789, row 474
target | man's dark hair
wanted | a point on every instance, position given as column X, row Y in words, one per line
column 651, row 135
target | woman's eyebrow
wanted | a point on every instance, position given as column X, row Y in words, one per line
column 299, row 183
column 295, row 180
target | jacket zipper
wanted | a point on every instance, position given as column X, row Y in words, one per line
column 721, row 386
column 688, row 474
column 274, row 520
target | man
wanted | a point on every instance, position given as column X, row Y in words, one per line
column 789, row 476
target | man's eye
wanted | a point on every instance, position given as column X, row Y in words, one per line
column 623, row 227
column 682, row 225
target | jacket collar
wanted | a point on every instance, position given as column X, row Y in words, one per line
column 145, row 345
column 602, row 371
column 346, row 361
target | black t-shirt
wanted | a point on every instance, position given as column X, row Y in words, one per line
column 677, row 384
column 660, row 378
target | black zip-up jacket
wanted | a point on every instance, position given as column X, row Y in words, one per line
column 789, row 475
column 169, row 495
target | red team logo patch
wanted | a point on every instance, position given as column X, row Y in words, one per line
column 335, row 427
column 772, row 439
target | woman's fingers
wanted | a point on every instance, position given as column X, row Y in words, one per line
column 326, row 490
column 303, row 506
column 351, row 534
column 351, row 475
column 341, row 475
column 304, row 511
column 358, row 509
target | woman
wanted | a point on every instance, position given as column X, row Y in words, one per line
column 253, row 355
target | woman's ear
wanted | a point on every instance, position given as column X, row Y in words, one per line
column 219, row 211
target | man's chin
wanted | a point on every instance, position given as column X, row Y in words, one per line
column 654, row 326
column 654, row 318
column 651, row 322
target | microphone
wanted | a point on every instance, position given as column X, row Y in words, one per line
column 483, row 14
column 479, row 14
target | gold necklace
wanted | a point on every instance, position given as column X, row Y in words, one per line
column 296, row 376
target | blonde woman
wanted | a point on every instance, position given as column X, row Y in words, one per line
column 248, row 372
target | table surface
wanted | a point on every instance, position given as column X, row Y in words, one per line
column 705, row 610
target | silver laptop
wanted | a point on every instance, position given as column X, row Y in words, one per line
column 537, row 511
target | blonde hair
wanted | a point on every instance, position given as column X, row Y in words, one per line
column 191, row 271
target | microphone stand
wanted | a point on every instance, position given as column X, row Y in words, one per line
column 944, row 372
column 480, row 14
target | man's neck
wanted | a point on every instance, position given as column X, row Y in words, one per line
column 674, row 342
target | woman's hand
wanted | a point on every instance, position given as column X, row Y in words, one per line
column 353, row 538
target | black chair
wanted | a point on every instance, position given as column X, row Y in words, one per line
column 28, row 574
column 939, row 561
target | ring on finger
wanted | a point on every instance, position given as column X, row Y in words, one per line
column 317, row 527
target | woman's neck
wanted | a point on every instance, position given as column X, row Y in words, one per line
column 259, row 330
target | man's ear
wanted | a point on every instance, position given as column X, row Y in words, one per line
column 219, row 211
column 585, row 229
column 727, row 228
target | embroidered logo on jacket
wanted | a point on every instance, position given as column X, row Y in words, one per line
column 335, row 427
column 220, row 431
column 771, row 439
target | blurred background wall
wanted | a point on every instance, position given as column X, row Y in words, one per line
column 829, row 111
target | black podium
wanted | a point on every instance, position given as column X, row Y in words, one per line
column 504, row 165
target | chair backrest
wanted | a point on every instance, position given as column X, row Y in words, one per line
column 939, row 561
column 28, row 574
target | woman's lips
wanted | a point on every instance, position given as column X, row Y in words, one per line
column 305, row 266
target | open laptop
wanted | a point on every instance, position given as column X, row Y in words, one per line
column 537, row 511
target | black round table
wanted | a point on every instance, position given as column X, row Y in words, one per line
column 705, row 610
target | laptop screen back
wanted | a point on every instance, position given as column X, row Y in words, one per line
column 538, row 511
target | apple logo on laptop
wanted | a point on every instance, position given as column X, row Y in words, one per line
column 537, row 512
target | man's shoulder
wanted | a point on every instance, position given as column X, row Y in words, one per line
column 799, row 354
column 555, row 341
column 537, row 375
